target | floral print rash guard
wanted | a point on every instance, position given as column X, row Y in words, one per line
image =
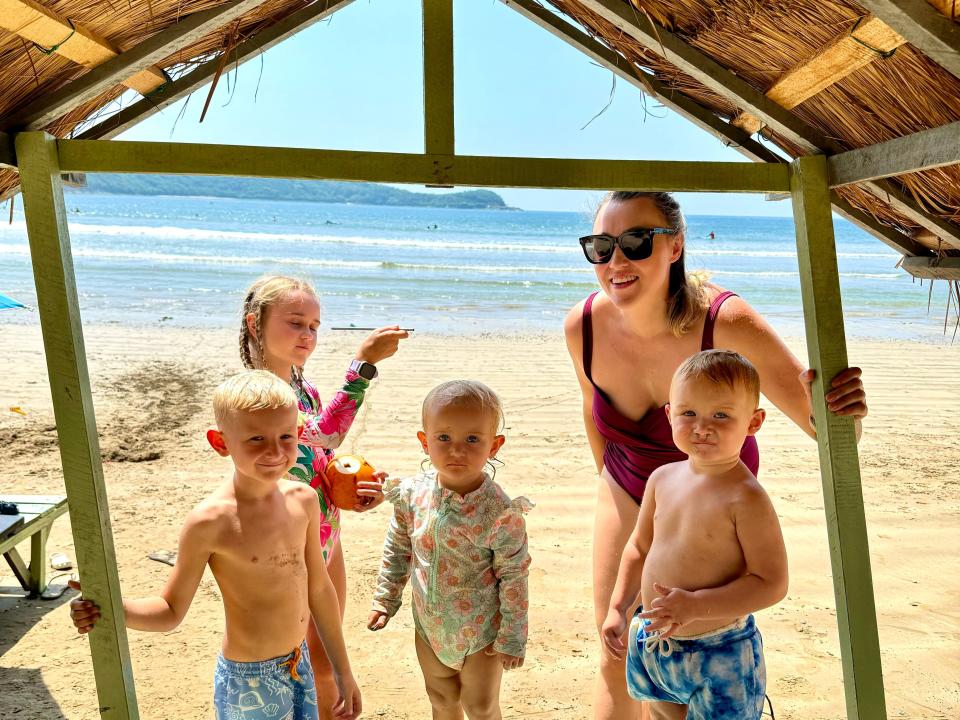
column 322, row 429
column 469, row 561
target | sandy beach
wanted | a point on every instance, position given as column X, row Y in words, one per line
column 151, row 392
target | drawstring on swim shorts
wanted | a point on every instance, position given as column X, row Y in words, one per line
column 655, row 642
column 292, row 663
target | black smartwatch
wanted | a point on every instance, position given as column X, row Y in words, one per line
column 368, row 371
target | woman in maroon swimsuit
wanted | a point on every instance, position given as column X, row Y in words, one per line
column 626, row 341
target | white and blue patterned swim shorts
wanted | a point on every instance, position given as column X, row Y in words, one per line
column 278, row 689
column 719, row 675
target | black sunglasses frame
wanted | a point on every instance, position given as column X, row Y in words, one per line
column 641, row 252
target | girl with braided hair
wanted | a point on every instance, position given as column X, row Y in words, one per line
column 278, row 332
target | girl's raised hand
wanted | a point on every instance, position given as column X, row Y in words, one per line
column 377, row 620
column 381, row 344
column 370, row 492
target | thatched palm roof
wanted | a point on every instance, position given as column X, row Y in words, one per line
column 869, row 84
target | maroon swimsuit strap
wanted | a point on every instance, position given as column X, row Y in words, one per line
column 588, row 336
column 708, row 322
column 706, row 342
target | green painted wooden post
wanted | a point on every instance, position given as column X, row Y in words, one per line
column 38, row 561
column 46, row 219
column 836, row 438
column 438, row 76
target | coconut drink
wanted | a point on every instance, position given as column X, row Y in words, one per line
column 342, row 475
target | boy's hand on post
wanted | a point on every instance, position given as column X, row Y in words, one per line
column 83, row 613
column 668, row 613
column 377, row 620
column 370, row 492
column 381, row 344
column 611, row 633
column 348, row 705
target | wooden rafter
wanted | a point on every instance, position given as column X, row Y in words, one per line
column 184, row 85
column 700, row 116
column 48, row 108
column 869, row 40
column 617, row 64
column 911, row 153
column 947, row 268
column 463, row 170
column 45, row 28
column 929, row 30
column 719, row 79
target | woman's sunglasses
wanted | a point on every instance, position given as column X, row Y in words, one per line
column 635, row 244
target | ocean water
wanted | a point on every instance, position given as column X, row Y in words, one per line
column 187, row 261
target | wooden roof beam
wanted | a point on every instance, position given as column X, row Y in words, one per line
column 911, row 153
column 621, row 67
column 46, row 109
column 946, row 268
column 53, row 33
column 424, row 169
column 196, row 78
column 930, row 31
column 719, row 79
column 700, row 116
column 867, row 41
column 202, row 74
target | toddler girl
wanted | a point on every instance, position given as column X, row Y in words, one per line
column 465, row 543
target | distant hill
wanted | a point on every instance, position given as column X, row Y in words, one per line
column 325, row 191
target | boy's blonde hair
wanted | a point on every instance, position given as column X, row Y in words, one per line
column 722, row 367
column 463, row 392
column 251, row 391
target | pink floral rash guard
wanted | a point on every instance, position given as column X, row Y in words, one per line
column 322, row 429
column 469, row 561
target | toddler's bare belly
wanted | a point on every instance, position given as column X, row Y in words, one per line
column 679, row 564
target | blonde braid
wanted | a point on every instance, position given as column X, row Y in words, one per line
column 245, row 357
column 258, row 324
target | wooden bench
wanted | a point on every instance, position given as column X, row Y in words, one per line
column 37, row 513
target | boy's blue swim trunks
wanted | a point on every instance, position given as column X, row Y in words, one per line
column 278, row 689
column 719, row 675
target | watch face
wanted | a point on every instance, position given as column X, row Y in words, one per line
column 367, row 371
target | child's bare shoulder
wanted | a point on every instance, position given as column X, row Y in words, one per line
column 209, row 517
column 666, row 473
column 298, row 492
column 747, row 492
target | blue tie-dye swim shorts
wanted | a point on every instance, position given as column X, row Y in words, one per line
column 719, row 675
column 277, row 689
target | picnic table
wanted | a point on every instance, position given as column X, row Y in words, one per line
column 35, row 518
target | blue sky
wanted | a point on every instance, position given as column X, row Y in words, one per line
column 354, row 82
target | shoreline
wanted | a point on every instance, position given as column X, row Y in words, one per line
column 29, row 318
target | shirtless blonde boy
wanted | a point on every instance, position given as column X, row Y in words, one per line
column 707, row 551
column 259, row 534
